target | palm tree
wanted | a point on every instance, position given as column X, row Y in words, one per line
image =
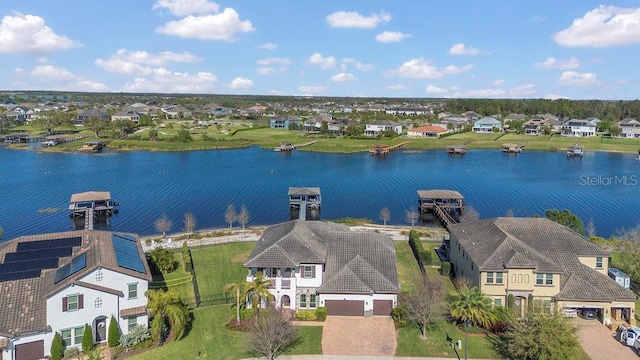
column 237, row 289
column 473, row 305
column 255, row 291
column 167, row 309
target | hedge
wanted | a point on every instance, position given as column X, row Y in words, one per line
column 424, row 257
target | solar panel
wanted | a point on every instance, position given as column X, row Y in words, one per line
column 19, row 275
column 37, row 254
column 37, row 264
column 77, row 263
column 49, row 244
column 126, row 250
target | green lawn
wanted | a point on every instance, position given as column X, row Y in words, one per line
column 178, row 280
column 310, row 341
column 406, row 264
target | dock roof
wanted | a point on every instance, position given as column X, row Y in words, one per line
column 304, row 191
column 439, row 194
column 90, row 196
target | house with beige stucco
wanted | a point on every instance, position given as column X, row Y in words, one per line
column 524, row 260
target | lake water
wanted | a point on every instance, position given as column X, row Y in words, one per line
column 604, row 187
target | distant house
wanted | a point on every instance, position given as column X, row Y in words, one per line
column 177, row 112
column 126, row 115
column 457, row 121
column 630, row 128
column 514, row 117
column 315, row 264
column 427, row 131
column 487, row 125
column 578, row 127
column 378, row 127
column 409, row 111
column 535, row 126
column 221, row 111
column 471, row 115
column 93, row 113
column 15, row 115
column 284, row 122
column 58, row 282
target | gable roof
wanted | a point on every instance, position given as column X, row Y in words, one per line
column 355, row 262
column 488, row 121
column 429, row 129
column 542, row 245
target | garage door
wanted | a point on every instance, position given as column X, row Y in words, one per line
column 30, row 351
column 382, row 307
column 344, row 307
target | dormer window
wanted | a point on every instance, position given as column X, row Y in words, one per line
column 599, row 262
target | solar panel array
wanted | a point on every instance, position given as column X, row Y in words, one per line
column 77, row 263
column 31, row 257
column 126, row 250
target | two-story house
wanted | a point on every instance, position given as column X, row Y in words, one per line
column 578, row 127
column 285, row 122
column 126, row 115
column 321, row 264
column 536, row 259
column 378, row 127
column 487, row 125
column 535, row 126
column 630, row 128
column 427, row 131
column 59, row 282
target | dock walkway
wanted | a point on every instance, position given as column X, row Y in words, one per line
column 381, row 149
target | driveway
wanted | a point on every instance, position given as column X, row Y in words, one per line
column 600, row 344
column 352, row 335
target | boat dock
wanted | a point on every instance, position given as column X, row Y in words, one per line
column 382, row 149
column 575, row 151
column 512, row 148
column 91, row 146
column 457, row 149
column 91, row 204
column 288, row 146
column 304, row 202
column 446, row 205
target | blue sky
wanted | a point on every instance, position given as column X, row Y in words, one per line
column 480, row 49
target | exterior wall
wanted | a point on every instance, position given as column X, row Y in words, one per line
column 576, row 130
column 630, row 130
column 368, row 299
column 461, row 262
column 591, row 262
column 315, row 282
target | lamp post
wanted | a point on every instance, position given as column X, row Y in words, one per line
column 450, row 340
column 467, row 322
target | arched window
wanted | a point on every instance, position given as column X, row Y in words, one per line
column 98, row 302
column 99, row 275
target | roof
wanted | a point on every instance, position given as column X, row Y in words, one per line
column 542, row 245
column 140, row 310
column 429, row 128
column 355, row 262
column 439, row 194
column 90, row 196
column 304, row 191
column 23, row 301
column 488, row 120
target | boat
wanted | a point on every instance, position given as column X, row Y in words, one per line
column 575, row 151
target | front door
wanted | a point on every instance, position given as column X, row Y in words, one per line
column 518, row 305
column 100, row 326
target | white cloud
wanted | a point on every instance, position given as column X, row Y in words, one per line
column 138, row 62
column 352, row 19
column 518, row 92
column 555, row 97
column 360, row 66
column 218, row 27
column 485, row 93
column 91, row 86
column 240, row 83
column 537, row 19
column 578, row 79
column 312, row 89
column 399, row 87
column 268, row 46
column 187, row 7
column 51, row 72
column 553, row 63
column 461, row 49
column 28, row 34
column 601, row 27
column 499, row 82
column 266, row 70
column 342, row 77
column 165, row 81
column 18, row 70
column 268, row 65
column 391, row 36
column 423, row 69
column 434, row 90
column 274, row 61
column 323, row 62
column 53, row 77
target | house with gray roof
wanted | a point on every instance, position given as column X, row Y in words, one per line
column 537, row 260
column 487, row 125
column 315, row 264
column 59, row 282
column 630, row 128
column 378, row 127
column 578, row 127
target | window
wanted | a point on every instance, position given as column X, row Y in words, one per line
column 539, row 279
column 489, row 278
column 133, row 291
column 98, row 302
column 548, row 279
column 303, row 301
column 78, row 332
column 497, row 302
column 599, row 262
column 66, row 337
column 544, row 279
column 99, row 275
column 308, row 272
column 72, row 303
column 499, row 278
column 131, row 323
column 312, row 301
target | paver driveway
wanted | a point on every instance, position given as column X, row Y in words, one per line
column 352, row 335
column 600, row 344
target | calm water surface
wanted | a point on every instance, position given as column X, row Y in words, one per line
column 604, row 187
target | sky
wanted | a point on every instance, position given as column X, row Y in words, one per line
column 434, row 49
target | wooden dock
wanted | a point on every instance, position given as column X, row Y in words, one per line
column 575, row 151
column 98, row 203
column 446, row 205
column 304, row 203
column 381, row 149
column 512, row 148
column 457, row 149
column 287, row 146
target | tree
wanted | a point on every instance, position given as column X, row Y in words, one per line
column 471, row 304
column 87, row 340
column 243, row 216
column 230, row 216
column 49, row 120
column 189, row 224
column 412, row 216
column 615, row 131
column 97, row 124
column 255, row 292
column 163, row 224
column 385, row 215
column 424, row 304
column 124, row 126
column 57, row 347
column 566, row 218
column 183, row 135
column 629, row 252
column 541, row 336
column 161, row 260
column 235, row 289
column 168, row 312
column 470, row 214
column 591, row 229
column 114, row 332
column 153, row 135
column 1, row 232
column 271, row 334
column 509, row 213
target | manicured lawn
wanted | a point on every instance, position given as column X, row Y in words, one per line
column 310, row 341
column 406, row 264
column 178, row 280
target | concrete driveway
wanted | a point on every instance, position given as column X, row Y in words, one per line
column 352, row 335
column 600, row 344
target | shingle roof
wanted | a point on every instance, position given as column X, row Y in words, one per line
column 23, row 302
column 304, row 191
column 439, row 194
column 355, row 262
column 543, row 245
column 429, row 128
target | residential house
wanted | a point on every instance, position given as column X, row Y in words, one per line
column 514, row 117
column 471, row 115
column 409, row 111
column 93, row 113
column 535, row 126
column 457, row 121
column 15, row 115
column 427, row 131
column 59, row 282
column 378, row 127
column 519, row 260
column 177, row 112
column 285, row 122
column 578, row 127
column 127, row 115
column 487, row 125
column 630, row 128
column 320, row 264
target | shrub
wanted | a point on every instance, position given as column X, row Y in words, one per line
column 57, row 347
column 306, row 315
column 445, row 268
column 246, row 314
column 321, row 313
column 87, row 339
column 399, row 316
column 161, row 260
column 511, row 301
column 72, row 352
column 114, row 333
column 139, row 334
